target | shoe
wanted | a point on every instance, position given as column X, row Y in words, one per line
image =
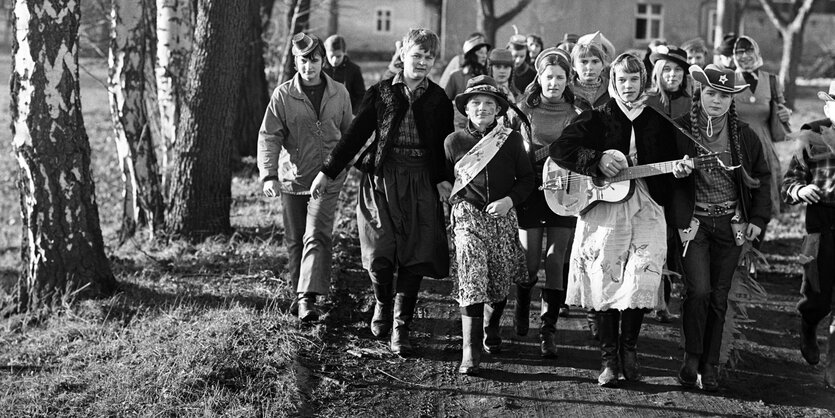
column 307, row 308
column 809, row 342
column 688, row 374
column 404, row 308
column 708, row 378
column 564, row 311
column 492, row 343
column 381, row 283
column 608, row 324
column 548, row 329
column 522, row 310
column 471, row 333
column 662, row 316
column 630, row 329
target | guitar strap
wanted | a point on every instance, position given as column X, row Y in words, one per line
column 478, row 157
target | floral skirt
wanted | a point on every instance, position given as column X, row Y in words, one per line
column 488, row 255
column 618, row 255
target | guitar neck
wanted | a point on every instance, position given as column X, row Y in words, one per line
column 647, row 170
column 542, row 153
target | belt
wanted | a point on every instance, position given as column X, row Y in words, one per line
column 410, row 152
column 715, row 209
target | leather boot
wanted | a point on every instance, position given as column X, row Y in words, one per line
column 709, row 377
column 630, row 328
column 404, row 308
column 492, row 331
column 471, row 333
column 809, row 342
column 522, row 311
column 591, row 317
column 829, row 370
column 688, row 375
column 307, row 307
column 608, row 325
column 548, row 329
column 382, row 319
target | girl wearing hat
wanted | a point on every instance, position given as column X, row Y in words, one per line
column 307, row 114
column 492, row 174
column 500, row 68
column 549, row 106
column 619, row 250
column 474, row 64
column 730, row 207
column 588, row 81
column 753, row 106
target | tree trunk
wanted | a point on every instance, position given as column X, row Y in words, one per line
column 333, row 17
column 255, row 93
column 299, row 20
column 202, row 181
column 488, row 23
column 131, row 66
column 62, row 247
column 174, row 43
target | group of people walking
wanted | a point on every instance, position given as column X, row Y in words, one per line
column 478, row 143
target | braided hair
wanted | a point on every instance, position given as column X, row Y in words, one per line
column 735, row 141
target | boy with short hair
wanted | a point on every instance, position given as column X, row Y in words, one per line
column 809, row 180
column 343, row 70
column 399, row 213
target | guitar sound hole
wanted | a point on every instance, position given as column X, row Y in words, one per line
column 599, row 182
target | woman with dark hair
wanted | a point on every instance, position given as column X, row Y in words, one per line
column 500, row 68
column 307, row 114
column 549, row 106
column 535, row 46
column 474, row 64
column 617, row 259
column 730, row 208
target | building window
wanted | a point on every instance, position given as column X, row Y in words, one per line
column 649, row 22
column 383, row 20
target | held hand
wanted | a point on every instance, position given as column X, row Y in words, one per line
column 444, row 189
column 683, row 168
column 610, row 165
column 499, row 207
column 320, row 183
column 270, row 188
column 809, row 193
column 752, row 232
column 784, row 113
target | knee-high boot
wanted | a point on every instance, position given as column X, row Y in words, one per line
column 492, row 320
column 522, row 311
column 548, row 329
column 609, row 325
column 471, row 333
column 381, row 282
column 630, row 328
column 404, row 308
column 591, row 318
column 829, row 371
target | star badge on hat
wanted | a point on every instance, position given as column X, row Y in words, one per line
column 723, row 79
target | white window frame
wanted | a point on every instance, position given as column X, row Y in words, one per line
column 650, row 18
column 382, row 20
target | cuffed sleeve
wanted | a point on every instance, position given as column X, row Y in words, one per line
column 356, row 135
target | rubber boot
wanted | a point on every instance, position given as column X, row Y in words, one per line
column 307, row 307
column 548, row 329
column 591, row 317
column 404, row 308
column 809, row 342
column 608, row 325
column 522, row 311
column 630, row 329
column 382, row 319
column 492, row 331
column 688, row 375
column 471, row 333
column 829, row 370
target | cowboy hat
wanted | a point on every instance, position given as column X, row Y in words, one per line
column 669, row 53
column 828, row 97
column 481, row 85
column 717, row 78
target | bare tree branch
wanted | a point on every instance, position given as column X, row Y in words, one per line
column 510, row 14
column 779, row 21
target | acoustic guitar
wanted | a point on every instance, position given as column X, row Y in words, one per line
column 569, row 194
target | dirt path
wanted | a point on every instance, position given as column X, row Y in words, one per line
column 354, row 374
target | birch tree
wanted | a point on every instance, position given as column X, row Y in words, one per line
column 62, row 247
column 791, row 27
column 200, row 190
column 134, row 110
column 174, row 42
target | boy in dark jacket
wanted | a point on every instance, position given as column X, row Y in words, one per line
column 343, row 70
column 809, row 180
column 399, row 213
